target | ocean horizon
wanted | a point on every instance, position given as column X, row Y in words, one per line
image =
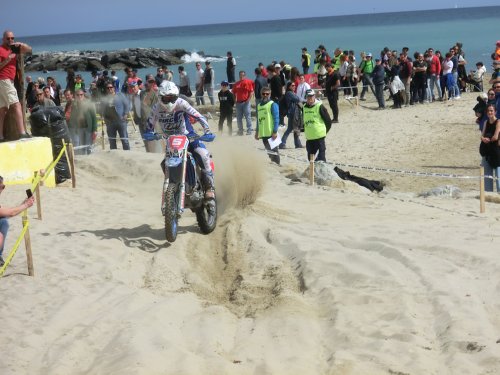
column 264, row 41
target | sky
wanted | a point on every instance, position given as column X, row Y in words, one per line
column 35, row 17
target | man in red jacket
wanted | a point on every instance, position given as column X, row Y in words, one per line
column 243, row 90
column 8, row 94
column 434, row 72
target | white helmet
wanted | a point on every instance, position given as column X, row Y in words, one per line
column 170, row 91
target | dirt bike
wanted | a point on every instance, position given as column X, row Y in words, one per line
column 184, row 188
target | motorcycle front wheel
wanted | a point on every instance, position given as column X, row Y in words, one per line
column 206, row 216
column 171, row 207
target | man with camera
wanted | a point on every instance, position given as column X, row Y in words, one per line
column 8, row 94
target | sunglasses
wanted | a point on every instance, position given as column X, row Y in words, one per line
column 10, row 38
column 110, row 87
column 266, row 94
column 168, row 99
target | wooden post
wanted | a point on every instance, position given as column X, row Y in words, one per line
column 27, row 243
column 37, row 198
column 311, row 170
column 72, row 164
column 481, row 190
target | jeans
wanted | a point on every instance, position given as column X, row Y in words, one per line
column 379, row 94
column 4, row 228
column 243, row 109
column 489, row 171
column 455, row 87
column 289, row 129
column 121, row 129
column 210, row 91
column 200, row 100
column 434, row 80
column 367, row 82
column 82, row 137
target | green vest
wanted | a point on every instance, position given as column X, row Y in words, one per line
column 308, row 58
column 314, row 127
column 266, row 123
column 338, row 63
column 368, row 66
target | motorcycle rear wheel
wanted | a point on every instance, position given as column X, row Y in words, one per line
column 171, row 217
column 206, row 216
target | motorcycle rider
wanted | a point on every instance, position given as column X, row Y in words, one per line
column 172, row 114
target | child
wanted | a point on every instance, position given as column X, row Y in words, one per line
column 226, row 101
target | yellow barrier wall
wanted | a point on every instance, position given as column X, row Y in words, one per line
column 19, row 159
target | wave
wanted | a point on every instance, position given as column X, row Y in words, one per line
column 195, row 56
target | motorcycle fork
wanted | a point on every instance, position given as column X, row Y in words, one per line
column 182, row 186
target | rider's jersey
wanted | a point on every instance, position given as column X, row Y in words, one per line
column 177, row 121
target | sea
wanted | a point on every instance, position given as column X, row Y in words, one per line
column 267, row 41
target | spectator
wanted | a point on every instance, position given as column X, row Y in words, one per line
column 160, row 76
column 268, row 123
column 365, row 72
column 8, row 93
column 259, row 83
column 331, row 90
column 263, row 70
column 475, row 77
column 200, row 100
column 230, row 68
column 419, row 79
column 317, row 124
column 115, row 110
column 70, row 80
column 433, row 76
column 302, row 88
column 115, row 79
column 79, row 84
column 6, row 212
column 405, row 73
column 138, row 113
column 378, row 76
column 184, row 84
column 150, row 97
column 294, row 115
column 83, row 123
column 305, row 59
column 243, row 90
column 226, row 105
column 490, row 149
column 209, row 81
column 352, row 76
column 55, row 90
column 43, row 99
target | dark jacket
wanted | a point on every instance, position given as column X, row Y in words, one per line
column 226, row 101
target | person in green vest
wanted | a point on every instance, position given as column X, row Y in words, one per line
column 317, row 124
column 306, row 60
column 365, row 71
column 268, row 121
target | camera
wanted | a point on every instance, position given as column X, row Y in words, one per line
column 15, row 48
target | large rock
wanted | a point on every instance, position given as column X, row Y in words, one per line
column 98, row 60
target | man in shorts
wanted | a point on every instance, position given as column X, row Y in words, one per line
column 8, row 94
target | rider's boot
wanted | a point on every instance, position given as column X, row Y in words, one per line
column 207, row 183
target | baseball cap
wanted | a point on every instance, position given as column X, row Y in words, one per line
column 224, row 83
column 277, row 66
column 369, row 54
column 310, row 92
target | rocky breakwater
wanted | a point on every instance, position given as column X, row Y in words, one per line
column 99, row 60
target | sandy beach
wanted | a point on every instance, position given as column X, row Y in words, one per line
column 296, row 279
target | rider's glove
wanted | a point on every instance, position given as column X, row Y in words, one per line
column 149, row 136
column 207, row 131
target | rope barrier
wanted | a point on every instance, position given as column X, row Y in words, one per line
column 14, row 249
column 388, row 170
